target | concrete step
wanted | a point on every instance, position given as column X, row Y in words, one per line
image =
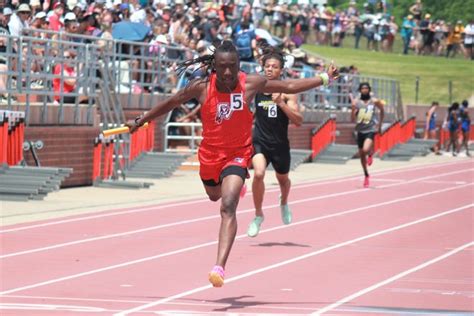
column 33, row 182
column 427, row 142
column 330, row 159
column 15, row 197
column 155, row 165
column 123, row 184
column 397, row 158
column 337, row 154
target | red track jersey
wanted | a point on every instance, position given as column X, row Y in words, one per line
column 226, row 117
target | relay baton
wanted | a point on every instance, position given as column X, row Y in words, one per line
column 119, row 130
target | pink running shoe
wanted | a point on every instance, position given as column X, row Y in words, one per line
column 243, row 190
column 366, row 182
column 216, row 276
column 370, row 160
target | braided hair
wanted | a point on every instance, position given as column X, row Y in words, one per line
column 207, row 61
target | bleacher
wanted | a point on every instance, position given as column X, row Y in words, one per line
column 19, row 183
column 336, row 154
column 155, row 165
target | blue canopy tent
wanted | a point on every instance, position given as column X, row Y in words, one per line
column 130, row 31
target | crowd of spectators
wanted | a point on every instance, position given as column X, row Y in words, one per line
column 194, row 26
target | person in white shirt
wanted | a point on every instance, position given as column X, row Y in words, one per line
column 19, row 20
column 469, row 40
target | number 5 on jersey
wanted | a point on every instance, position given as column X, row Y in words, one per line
column 236, row 101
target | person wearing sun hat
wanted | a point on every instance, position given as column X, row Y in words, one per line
column 407, row 32
column 35, row 6
column 19, row 20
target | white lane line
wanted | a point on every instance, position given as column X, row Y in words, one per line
column 391, row 279
column 386, row 180
column 137, row 231
column 422, row 179
column 445, row 182
column 182, row 250
column 193, row 201
column 428, row 181
column 293, row 260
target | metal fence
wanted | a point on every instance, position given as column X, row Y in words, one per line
column 135, row 69
column 335, row 98
column 34, row 65
column 117, row 75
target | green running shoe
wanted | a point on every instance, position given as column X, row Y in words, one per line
column 254, row 226
column 285, row 213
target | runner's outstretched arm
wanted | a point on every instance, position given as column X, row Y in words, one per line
column 191, row 91
column 291, row 86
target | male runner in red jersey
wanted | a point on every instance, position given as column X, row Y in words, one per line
column 226, row 148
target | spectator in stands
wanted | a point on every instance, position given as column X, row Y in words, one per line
column 371, row 27
column 70, row 27
column 278, row 20
column 416, row 10
column 46, row 5
column 106, row 36
column 97, row 6
column 245, row 41
column 88, row 25
column 30, row 65
column 39, row 22
column 210, row 27
column 441, row 31
column 125, row 11
column 455, row 39
column 139, row 16
column 469, row 39
column 427, row 30
column 3, row 68
column 35, row 6
column 5, row 17
column 55, row 23
column 358, row 29
column 407, row 32
column 430, row 126
column 465, row 126
column 19, row 20
column 65, row 80
column 79, row 10
column 4, row 30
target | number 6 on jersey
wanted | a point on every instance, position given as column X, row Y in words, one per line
column 236, row 101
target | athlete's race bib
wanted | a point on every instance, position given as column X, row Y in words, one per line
column 237, row 101
column 365, row 115
column 225, row 110
column 272, row 110
column 270, row 107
